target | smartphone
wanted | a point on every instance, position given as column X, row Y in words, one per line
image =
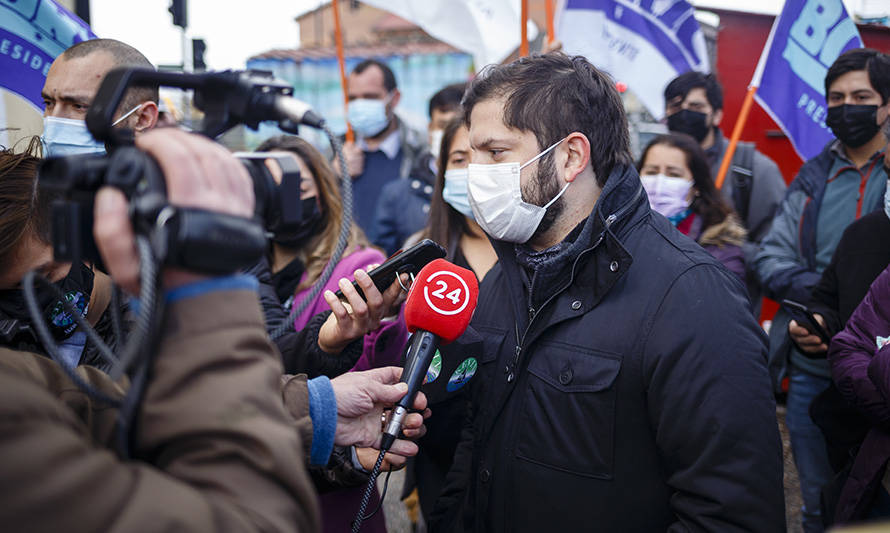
column 408, row 261
column 803, row 316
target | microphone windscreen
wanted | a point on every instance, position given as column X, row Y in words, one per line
column 442, row 300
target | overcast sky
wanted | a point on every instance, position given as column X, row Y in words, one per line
column 234, row 32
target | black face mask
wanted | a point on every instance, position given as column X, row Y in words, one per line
column 692, row 123
column 310, row 223
column 853, row 125
column 76, row 286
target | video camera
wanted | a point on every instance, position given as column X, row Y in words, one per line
column 193, row 239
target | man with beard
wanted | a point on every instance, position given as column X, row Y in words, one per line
column 753, row 184
column 622, row 381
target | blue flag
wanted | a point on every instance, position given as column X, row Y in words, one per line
column 32, row 34
column 643, row 43
column 805, row 40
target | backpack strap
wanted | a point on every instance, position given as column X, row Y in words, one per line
column 742, row 170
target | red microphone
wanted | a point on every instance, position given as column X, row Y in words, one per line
column 440, row 305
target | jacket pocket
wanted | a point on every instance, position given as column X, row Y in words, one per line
column 568, row 418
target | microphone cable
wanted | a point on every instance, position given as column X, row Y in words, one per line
column 369, row 489
column 342, row 239
column 141, row 341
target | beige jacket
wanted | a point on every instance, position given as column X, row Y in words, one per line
column 220, row 453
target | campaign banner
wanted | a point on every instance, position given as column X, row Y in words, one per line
column 32, row 34
column 643, row 43
column 806, row 38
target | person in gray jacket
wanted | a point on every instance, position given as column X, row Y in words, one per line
column 754, row 184
column 838, row 186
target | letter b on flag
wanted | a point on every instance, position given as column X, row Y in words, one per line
column 816, row 39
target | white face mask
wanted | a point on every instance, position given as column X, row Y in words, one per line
column 455, row 191
column 495, row 195
column 66, row 136
column 667, row 195
column 436, row 142
column 368, row 117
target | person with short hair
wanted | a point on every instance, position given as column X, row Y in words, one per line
column 620, row 380
column 753, row 184
column 831, row 191
column 404, row 205
column 386, row 149
column 71, row 84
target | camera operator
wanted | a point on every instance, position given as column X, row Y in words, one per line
column 214, row 446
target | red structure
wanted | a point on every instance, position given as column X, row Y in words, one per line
column 740, row 40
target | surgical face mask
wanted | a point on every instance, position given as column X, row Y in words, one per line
column 667, row 195
column 368, row 117
column 436, row 142
column 455, row 191
column 854, row 125
column 65, row 136
column 495, row 195
column 692, row 123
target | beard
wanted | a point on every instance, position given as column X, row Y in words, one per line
column 543, row 188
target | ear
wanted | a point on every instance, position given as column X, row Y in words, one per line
column 146, row 117
column 577, row 155
column 718, row 116
column 883, row 113
column 394, row 101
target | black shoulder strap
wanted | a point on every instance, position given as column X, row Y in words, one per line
column 742, row 178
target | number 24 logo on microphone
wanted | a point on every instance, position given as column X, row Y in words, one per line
column 451, row 294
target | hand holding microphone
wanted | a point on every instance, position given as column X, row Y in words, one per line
column 440, row 305
column 438, row 310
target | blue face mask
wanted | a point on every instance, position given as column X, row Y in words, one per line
column 368, row 117
column 455, row 191
column 65, row 136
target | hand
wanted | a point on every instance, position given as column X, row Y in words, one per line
column 361, row 397
column 357, row 317
column 355, row 160
column 199, row 174
column 806, row 341
column 368, row 458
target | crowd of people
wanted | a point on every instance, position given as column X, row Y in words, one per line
column 621, row 379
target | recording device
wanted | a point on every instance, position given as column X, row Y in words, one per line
column 438, row 310
column 194, row 239
column 440, row 305
column 806, row 319
column 408, row 261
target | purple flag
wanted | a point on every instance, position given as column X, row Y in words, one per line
column 32, row 34
column 805, row 40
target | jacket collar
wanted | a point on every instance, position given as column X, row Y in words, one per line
column 621, row 204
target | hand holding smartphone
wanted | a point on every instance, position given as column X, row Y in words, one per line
column 806, row 319
column 408, row 261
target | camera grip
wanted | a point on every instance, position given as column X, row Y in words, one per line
column 212, row 243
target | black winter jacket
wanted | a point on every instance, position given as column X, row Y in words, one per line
column 627, row 390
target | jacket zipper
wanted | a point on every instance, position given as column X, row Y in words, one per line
column 511, row 368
